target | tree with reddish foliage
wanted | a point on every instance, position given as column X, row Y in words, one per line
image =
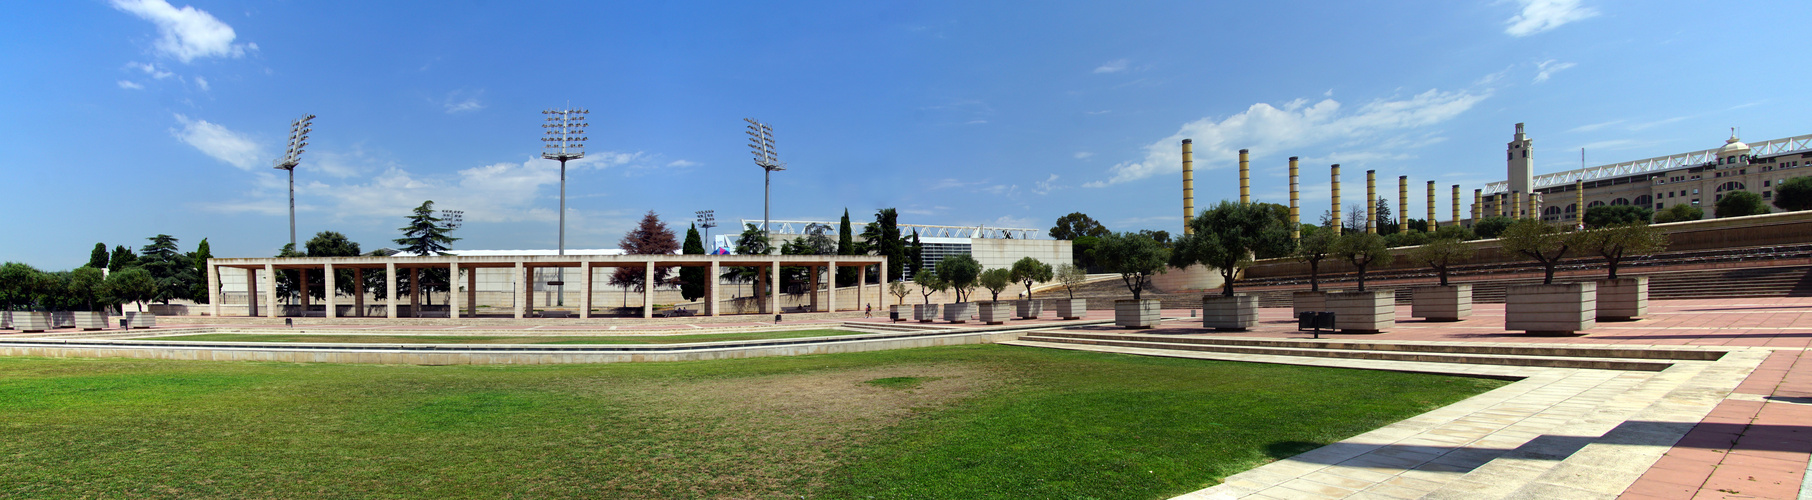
column 650, row 237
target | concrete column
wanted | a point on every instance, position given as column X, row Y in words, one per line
column 812, row 285
column 648, row 291
column 453, row 290
column 472, row 292
column 1334, row 214
column 711, row 282
column 270, row 291
column 761, row 285
column 390, row 290
column 302, row 283
column 415, row 292
column 251, row 292
column 774, row 277
column 881, row 288
column 213, row 290
column 528, row 291
column 517, row 280
column 358, row 292
column 331, row 291
column 1371, row 201
column 861, row 283
column 585, row 289
column 833, row 286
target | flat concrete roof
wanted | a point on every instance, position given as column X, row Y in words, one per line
column 549, row 261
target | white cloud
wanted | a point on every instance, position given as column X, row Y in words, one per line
column 1594, row 126
column 1083, row 155
column 186, row 33
column 130, row 85
column 1548, row 68
column 1101, row 112
column 150, row 69
column 682, row 164
column 1046, row 186
column 460, row 101
column 1543, row 15
column 1112, row 67
column 216, row 141
column 201, row 82
column 1297, row 124
column 1014, row 222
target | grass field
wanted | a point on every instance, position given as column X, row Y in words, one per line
column 466, row 339
column 979, row 421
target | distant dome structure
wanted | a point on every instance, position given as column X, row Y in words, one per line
column 1733, row 147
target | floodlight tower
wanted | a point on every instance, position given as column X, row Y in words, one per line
column 298, row 138
column 761, row 144
column 707, row 219
column 565, row 140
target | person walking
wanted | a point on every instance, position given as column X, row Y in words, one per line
column 869, row 312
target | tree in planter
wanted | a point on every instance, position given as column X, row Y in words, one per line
column 1362, row 250
column 1794, row 194
column 1311, row 249
column 1070, row 277
column 133, row 284
column 929, row 284
column 18, row 285
column 1740, row 203
column 1227, row 236
column 1621, row 241
column 1679, row 213
column 85, row 285
column 996, row 280
column 1605, row 215
column 1136, row 258
column 1028, row 271
column 1542, row 242
column 1441, row 254
column 960, row 272
column 899, row 291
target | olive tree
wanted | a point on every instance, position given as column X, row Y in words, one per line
column 898, row 289
column 1069, row 277
column 1621, row 241
column 1362, row 250
column 1542, row 242
column 929, row 284
column 1314, row 246
column 1028, row 271
column 1227, row 236
column 960, row 272
column 996, row 280
column 1135, row 257
column 1441, row 254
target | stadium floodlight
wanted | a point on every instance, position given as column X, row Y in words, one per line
column 707, row 219
column 761, row 144
column 292, row 156
column 564, row 140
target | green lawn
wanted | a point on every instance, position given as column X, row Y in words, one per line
column 979, row 421
column 463, row 339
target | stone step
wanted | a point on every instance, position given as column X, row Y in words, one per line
column 1421, row 357
column 1445, row 347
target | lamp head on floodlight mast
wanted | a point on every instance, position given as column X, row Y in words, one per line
column 564, row 140
column 761, row 145
column 292, row 156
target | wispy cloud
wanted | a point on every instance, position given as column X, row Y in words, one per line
column 1594, row 126
column 1547, row 69
column 1112, row 67
column 202, row 82
column 130, row 85
column 1046, row 186
column 214, row 140
column 186, row 33
column 1083, row 155
column 1537, row 16
column 1656, row 123
column 150, row 69
column 1296, row 124
column 460, row 101
column 682, row 164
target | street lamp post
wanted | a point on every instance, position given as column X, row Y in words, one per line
column 565, row 140
column 761, row 143
column 298, row 138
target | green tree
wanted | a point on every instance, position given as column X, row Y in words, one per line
column 692, row 279
column 18, row 285
column 86, row 285
column 929, row 284
column 122, row 258
column 1227, row 236
column 1492, row 227
column 1461, row 233
column 134, row 284
column 1416, row 225
column 1542, row 242
column 1312, row 247
column 1441, row 254
column 960, row 271
column 650, row 237
column 98, row 258
column 1082, row 250
column 899, row 291
column 199, row 291
column 174, row 273
column 1030, row 271
column 887, row 243
column 1136, row 258
column 287, row 279
column 1070, row 277
column 750, row 242
column 1740, row 203
column 425, row 235
column 996, row 280
column 846, row 245
column 1361, row 249
column 1076, row 225
column 1794, row 194
column 1605, row 215
column 915, row 254
column 1679, row 213
column 1406, row 239
column 1621, row 241
column 334, row 244
column 1385, row 223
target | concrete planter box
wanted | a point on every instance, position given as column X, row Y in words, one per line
column 925, row 313
column 1070, row 308
column 6, row 320
column 90, row 320
column 62, row 319
column 959, row 312
column 1029, row 309
column 141, row 319
column 1551, row 309
column 1136, row 314
column 900, row 311
column 31, row 321
column 1623, row 299
column 996, row 312
column 1302, row 302
column 1441, row 303
column 1363, row 312
column 1236, row 313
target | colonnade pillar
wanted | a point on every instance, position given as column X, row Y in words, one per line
column 251, row 292
column 270, row 291
column 648, row 292
column 302, row 283
column 213, row 290
column 390, row 290
column 585, row 289
column 833, row 286
column 773, row 274
column 415, row 292
column 453, row 290
column 330, row 292
column 472, row 292
column 358, row 292
column 711, row 282
column 517, row 280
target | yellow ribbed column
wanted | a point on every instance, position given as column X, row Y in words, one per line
column 1535, row 206
column 1295, row 211
column 1431, row 202
column 1335, row 212
column 1402, row 203
column 1579, row 200
column 1456, row 205
column 1516, row 210
column 1478, row 205
column 1188, row 185
column 1245, row 178
column 1371, row 201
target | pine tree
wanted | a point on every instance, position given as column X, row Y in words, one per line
column 98, row 258
column 171, row 270
column 425, row 235
column 846, row 245
column 199, row 291
column 122, row 258
column 888, row 222
column 692, row 279
column 650, row 237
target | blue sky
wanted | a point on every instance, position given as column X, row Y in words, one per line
column 124, row 119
